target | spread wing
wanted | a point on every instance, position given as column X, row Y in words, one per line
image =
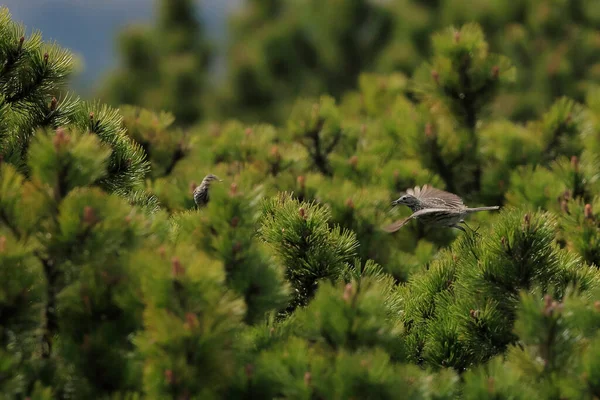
column 436, row 197
column 394, row 226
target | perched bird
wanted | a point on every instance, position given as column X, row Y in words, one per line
column 434, row 207
column 201, row 191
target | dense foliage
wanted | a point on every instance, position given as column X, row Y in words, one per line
column 279, row 50
column 163, row 66
column 284, row 286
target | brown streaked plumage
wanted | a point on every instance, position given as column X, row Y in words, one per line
column 201, row 192
column 418, row 198
column 434, row 207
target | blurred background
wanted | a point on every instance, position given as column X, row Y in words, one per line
column 91, row 28
column 251, row 59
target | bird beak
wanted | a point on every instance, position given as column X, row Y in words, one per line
column 395, row 203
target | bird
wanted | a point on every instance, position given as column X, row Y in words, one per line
column 201, row 192
column 434, row 207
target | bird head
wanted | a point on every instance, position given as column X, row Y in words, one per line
column 211, row 177
column 406, row 199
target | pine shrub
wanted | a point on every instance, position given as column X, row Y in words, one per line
column 116, row 286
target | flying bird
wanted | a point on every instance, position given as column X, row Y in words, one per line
column 434, row 207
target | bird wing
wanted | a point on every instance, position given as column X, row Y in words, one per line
column 436, row 197
column 394, row 226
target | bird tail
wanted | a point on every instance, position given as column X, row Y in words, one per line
column 477, row 209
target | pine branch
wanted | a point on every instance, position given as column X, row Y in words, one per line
column 50, row 319
column 554, row 142
column 334, row 142
column 445, row 170
column 319, row 158
column 4, row 218
column 467, row 98
column 12, row 60
column 177, row 156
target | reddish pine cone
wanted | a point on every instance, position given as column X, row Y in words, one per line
column 347, row 292
column 176, row 267
column 89, row 217
column 353, row 161
column 495, row 72
column 587, row 211
column 429, row 130
column 575, row 163
column 302, row 212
